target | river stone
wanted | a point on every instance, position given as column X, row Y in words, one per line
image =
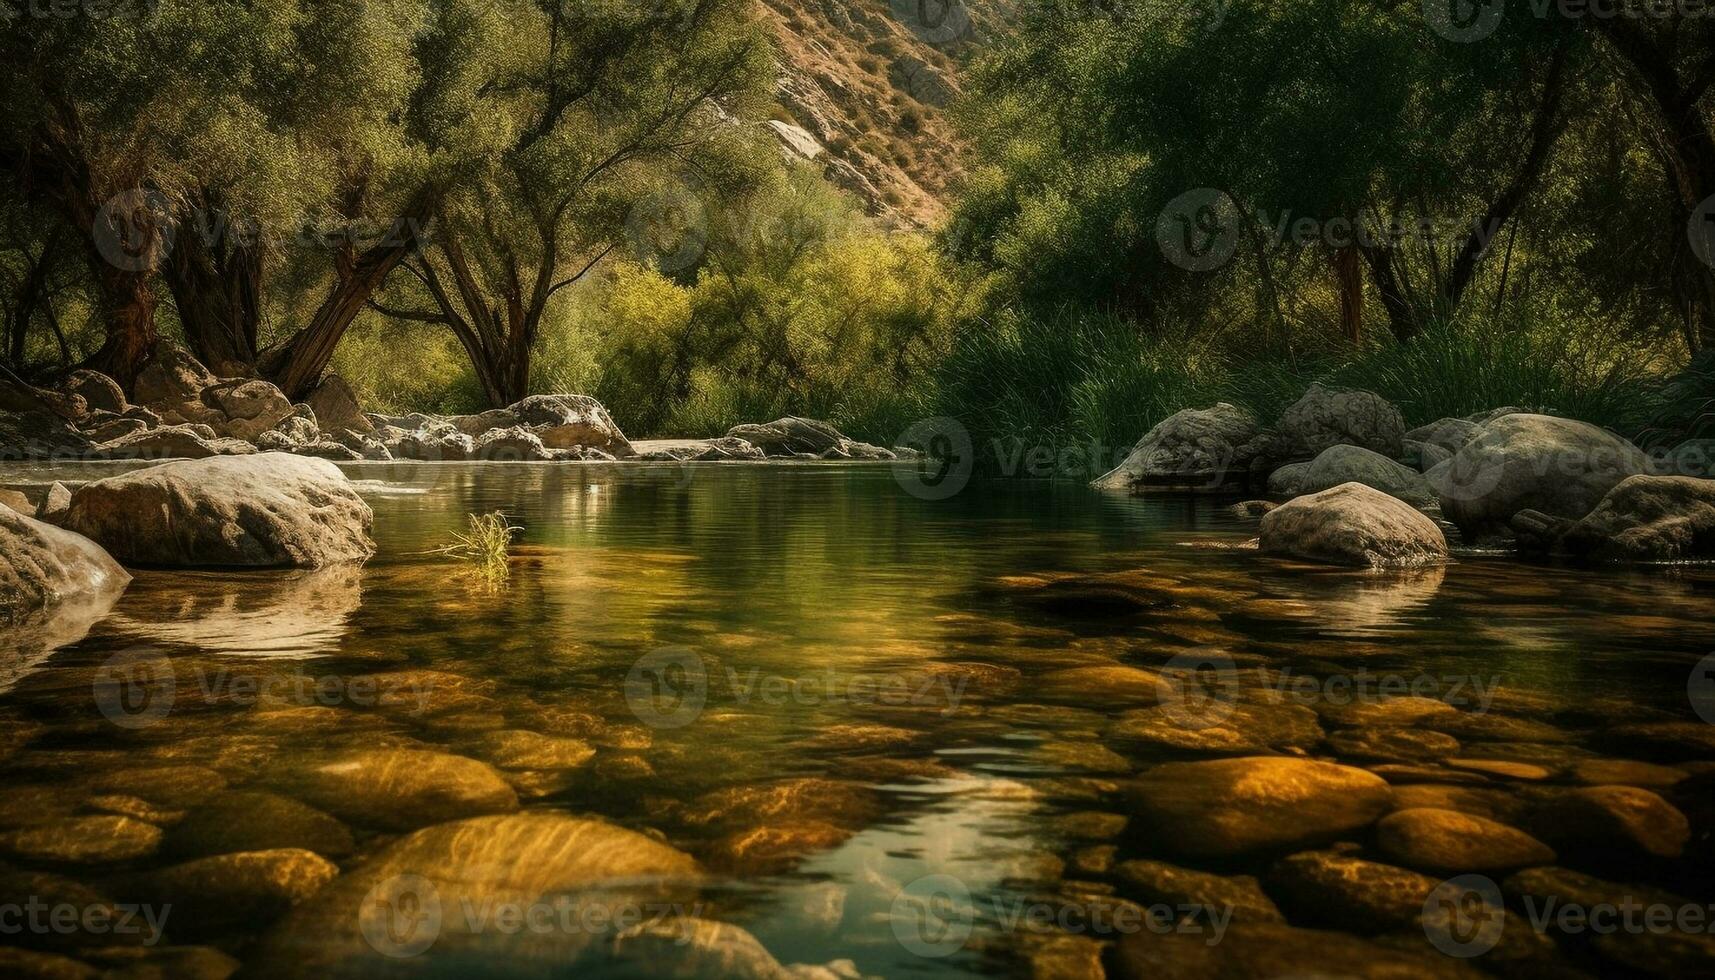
column 158, row 962
column 35, row 434
column 257, row 821
column 333, row 452
column 1157, row 882
column 171, row 376
column 519, row 749
column 243, row 890
column 1113, row 684
column 1625, row 772
column 789, row 436
column 1479, row 801
column 571, row 421
column 30, row 964
column 1648, row 518
column 1230, row 806
column 1288, row 480
column 1221, row 727
column 1325, row 417
column 1449, row 434
column 1392, row 744
column 172, row 442
column 1196, row 447
column 52, row 890
column 1354, row 464
column 400, row 789
column 433, row 445
column 363, row 444
column 683, row 946
column 261, row 511
column 1612, row 820
column 514, row 443
column 1450, row 842
column 42, row 567
column 1262, row 949
column 360, row 926
column 99, row 392
column 1387, row 712
column 336, row 407
column 1336, row 889
column 102, row 839
column 1352, row 524
column 1521, row 462
column 251, row 407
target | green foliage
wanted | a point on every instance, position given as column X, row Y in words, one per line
column 486, row 549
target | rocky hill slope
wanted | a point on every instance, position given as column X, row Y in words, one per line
column 863, row 89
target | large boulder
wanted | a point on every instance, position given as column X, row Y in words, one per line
column 1326, row 417
column 1645, row 518
column 264, row 510
column 335, row 404
column 514, row 443
column 42, row 566
column 1193, row 447
column 1517, row 462
column 1352, row 524
column 1255, row 803
column 98, row 391
column 571, row 422
column 439, row 442
column 789, row 436
column 1450, row 434
column 1354, row 464
column 172, row 377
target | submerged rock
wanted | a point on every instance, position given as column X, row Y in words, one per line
column 1353, row 524
column 1159, row 882
column 1231, row 806
column 104, row 839
column 425, row 905
column 1195, row 447
column 257, row 821
column 267, row 510
column 1339, row 890
column 1614, row 821
column 1449, row 842
column 1521, row 462
column 232, row 891
column 1263, row 949
column 400, row 789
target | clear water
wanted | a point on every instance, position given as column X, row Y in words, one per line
column 810, row 597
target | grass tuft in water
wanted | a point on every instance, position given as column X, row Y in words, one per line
column 486, row 548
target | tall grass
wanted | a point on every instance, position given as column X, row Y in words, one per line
column 1096, row 381
column 486, row 549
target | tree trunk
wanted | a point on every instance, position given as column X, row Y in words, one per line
column 297, row 365
column 1402, row 320
column 130, row 321
column 1689, row 147
column 1349, row 280
column 215, row 274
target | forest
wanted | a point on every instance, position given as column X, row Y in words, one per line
column 455, row 203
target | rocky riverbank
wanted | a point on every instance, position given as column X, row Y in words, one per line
column 181, row 410
column 1361, row 489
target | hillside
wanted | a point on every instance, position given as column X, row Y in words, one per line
column 864, row 86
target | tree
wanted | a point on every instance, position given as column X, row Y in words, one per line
column 600, row 103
